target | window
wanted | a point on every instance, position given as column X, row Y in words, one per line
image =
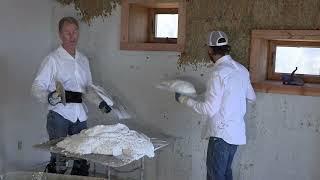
column 166, row 26
column 277, row 52
column 152, row 26
column 285, row 56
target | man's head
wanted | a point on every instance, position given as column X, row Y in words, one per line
column 69, row 33
column 217, row 45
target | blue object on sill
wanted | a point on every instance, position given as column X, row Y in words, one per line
column 292, row 79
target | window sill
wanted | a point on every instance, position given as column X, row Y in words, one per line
column 277, row 87
column 152, row 47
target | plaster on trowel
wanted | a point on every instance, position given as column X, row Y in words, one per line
column 61, row 92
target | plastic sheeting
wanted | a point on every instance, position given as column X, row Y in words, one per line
column 42, row 176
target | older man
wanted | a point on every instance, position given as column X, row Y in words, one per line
column 69, row 67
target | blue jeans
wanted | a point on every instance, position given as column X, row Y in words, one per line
column 57, row 127
column 219, row 159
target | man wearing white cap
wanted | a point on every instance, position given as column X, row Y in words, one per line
column 228, row 88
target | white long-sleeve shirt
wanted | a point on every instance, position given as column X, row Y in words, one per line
column 225, row 101
column 75, row 75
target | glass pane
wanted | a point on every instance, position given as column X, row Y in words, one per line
column 166, row 26
column 307, row 59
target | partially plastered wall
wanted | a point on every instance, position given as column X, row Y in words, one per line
column 238, row 18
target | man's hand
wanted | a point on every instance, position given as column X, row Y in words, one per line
column 54, row 98
column 181, row 98
column 104, row 107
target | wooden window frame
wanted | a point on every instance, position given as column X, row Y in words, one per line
column 131, row 39
column 272, row 75
column 260, row 56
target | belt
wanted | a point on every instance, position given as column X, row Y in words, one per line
column 73, row 97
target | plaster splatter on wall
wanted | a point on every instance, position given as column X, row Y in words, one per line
column 309, row 122
column 89, row 10
column 238, row 18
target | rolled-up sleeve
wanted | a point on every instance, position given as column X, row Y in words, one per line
column 251, row 95
column 90, row 94
column 213, row 98
column 40, row 86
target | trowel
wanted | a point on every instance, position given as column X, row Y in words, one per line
column 61, row 92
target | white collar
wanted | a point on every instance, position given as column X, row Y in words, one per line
column 63, row 52
column 222, row 59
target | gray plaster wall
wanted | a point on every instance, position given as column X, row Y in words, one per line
column 25, row 39
column 283, row 139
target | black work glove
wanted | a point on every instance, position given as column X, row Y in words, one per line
column 176, row 96
column 182, row 99
column 104, row 107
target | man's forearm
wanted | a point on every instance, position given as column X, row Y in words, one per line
column 39, row 93
column 203, row 108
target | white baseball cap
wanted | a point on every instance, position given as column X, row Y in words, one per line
column 217, row 38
